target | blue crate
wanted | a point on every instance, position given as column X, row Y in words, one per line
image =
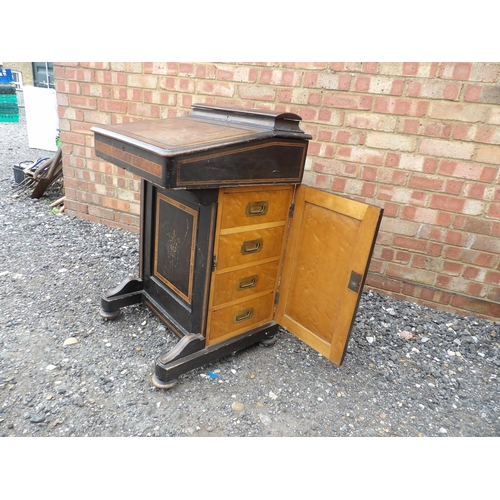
column 6, row 76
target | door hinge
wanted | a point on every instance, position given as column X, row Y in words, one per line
column 276, row 298
column 290, row 212
column 214, row 262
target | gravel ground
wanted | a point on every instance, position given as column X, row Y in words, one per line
column 64, row 371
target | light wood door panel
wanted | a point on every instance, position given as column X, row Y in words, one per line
column 330, row 238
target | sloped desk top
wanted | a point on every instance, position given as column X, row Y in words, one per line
column 211, row 147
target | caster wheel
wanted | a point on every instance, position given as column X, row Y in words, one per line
column 160, row 384
column 108, row 315
column 268, row 342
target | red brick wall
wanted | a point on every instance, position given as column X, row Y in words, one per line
column 421, row 140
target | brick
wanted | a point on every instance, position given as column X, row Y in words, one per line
column 338, row 185
column 444, row 202
column 494, row 295
column 426, row 183
column 494, row 211
column 323, row 182
column 484, row 259
column 434, row 90
column 411, row 162
column 205, row 71
column 113, row 106
column 492, row 277
column 307, row 65
column 159, row 97
column 147, row 110
column 111, row 78
column 410, row 69
column 420, row 276
column 437, row 129
column 490, row 94
column 473, row 207
column 379, row 85
column 256, row 92
column 349, row 137
column 488, row 154
column 392, row 160
column 187, row 69
column 371, row 121
column 447, row 149
column 395, row 142
column 487, row 134
column 399, row 227
column 236, row 74
column 409, row 107
column 142, row 81
column 383, row 283
column 476, row 306
column 425, row 215
column 456, row 71
column 469, row 113
column 453, row 186
column 471, row 171
column 332, row 117
column 82, row 102
column 127, row 67
column 485, row 72
column 369, row 173
column 160, row 68
column 348, row 101
column 425, row 127
column 384, row 253
column 279, row 77
column 474, row 273
column 484, row 243
column 452, row 268
column 100, row 212
column 472, row 93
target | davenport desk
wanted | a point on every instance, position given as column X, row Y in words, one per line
column 232, row 245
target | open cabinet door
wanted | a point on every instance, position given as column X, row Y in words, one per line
column 326, row 260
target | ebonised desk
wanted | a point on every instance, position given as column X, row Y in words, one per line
column 232, row 245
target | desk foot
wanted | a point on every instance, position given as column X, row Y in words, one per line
column 128, row 292
column 190, row 353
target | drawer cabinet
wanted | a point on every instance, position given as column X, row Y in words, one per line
column 249, row 244
column 232, row 245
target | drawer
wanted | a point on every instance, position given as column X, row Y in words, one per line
column 247, row 247
column 240, row 317
column 254, row 207
column 241, row 284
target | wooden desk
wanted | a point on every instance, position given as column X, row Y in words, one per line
column 232, row 246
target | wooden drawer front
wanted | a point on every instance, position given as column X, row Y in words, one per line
column 240, row 317
column 249, row 246
column 241, row 284
column 255, row 207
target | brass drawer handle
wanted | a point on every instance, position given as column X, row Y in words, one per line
column 245, row 283
column 257, row 208
column 252, row 246
column 243, row 315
